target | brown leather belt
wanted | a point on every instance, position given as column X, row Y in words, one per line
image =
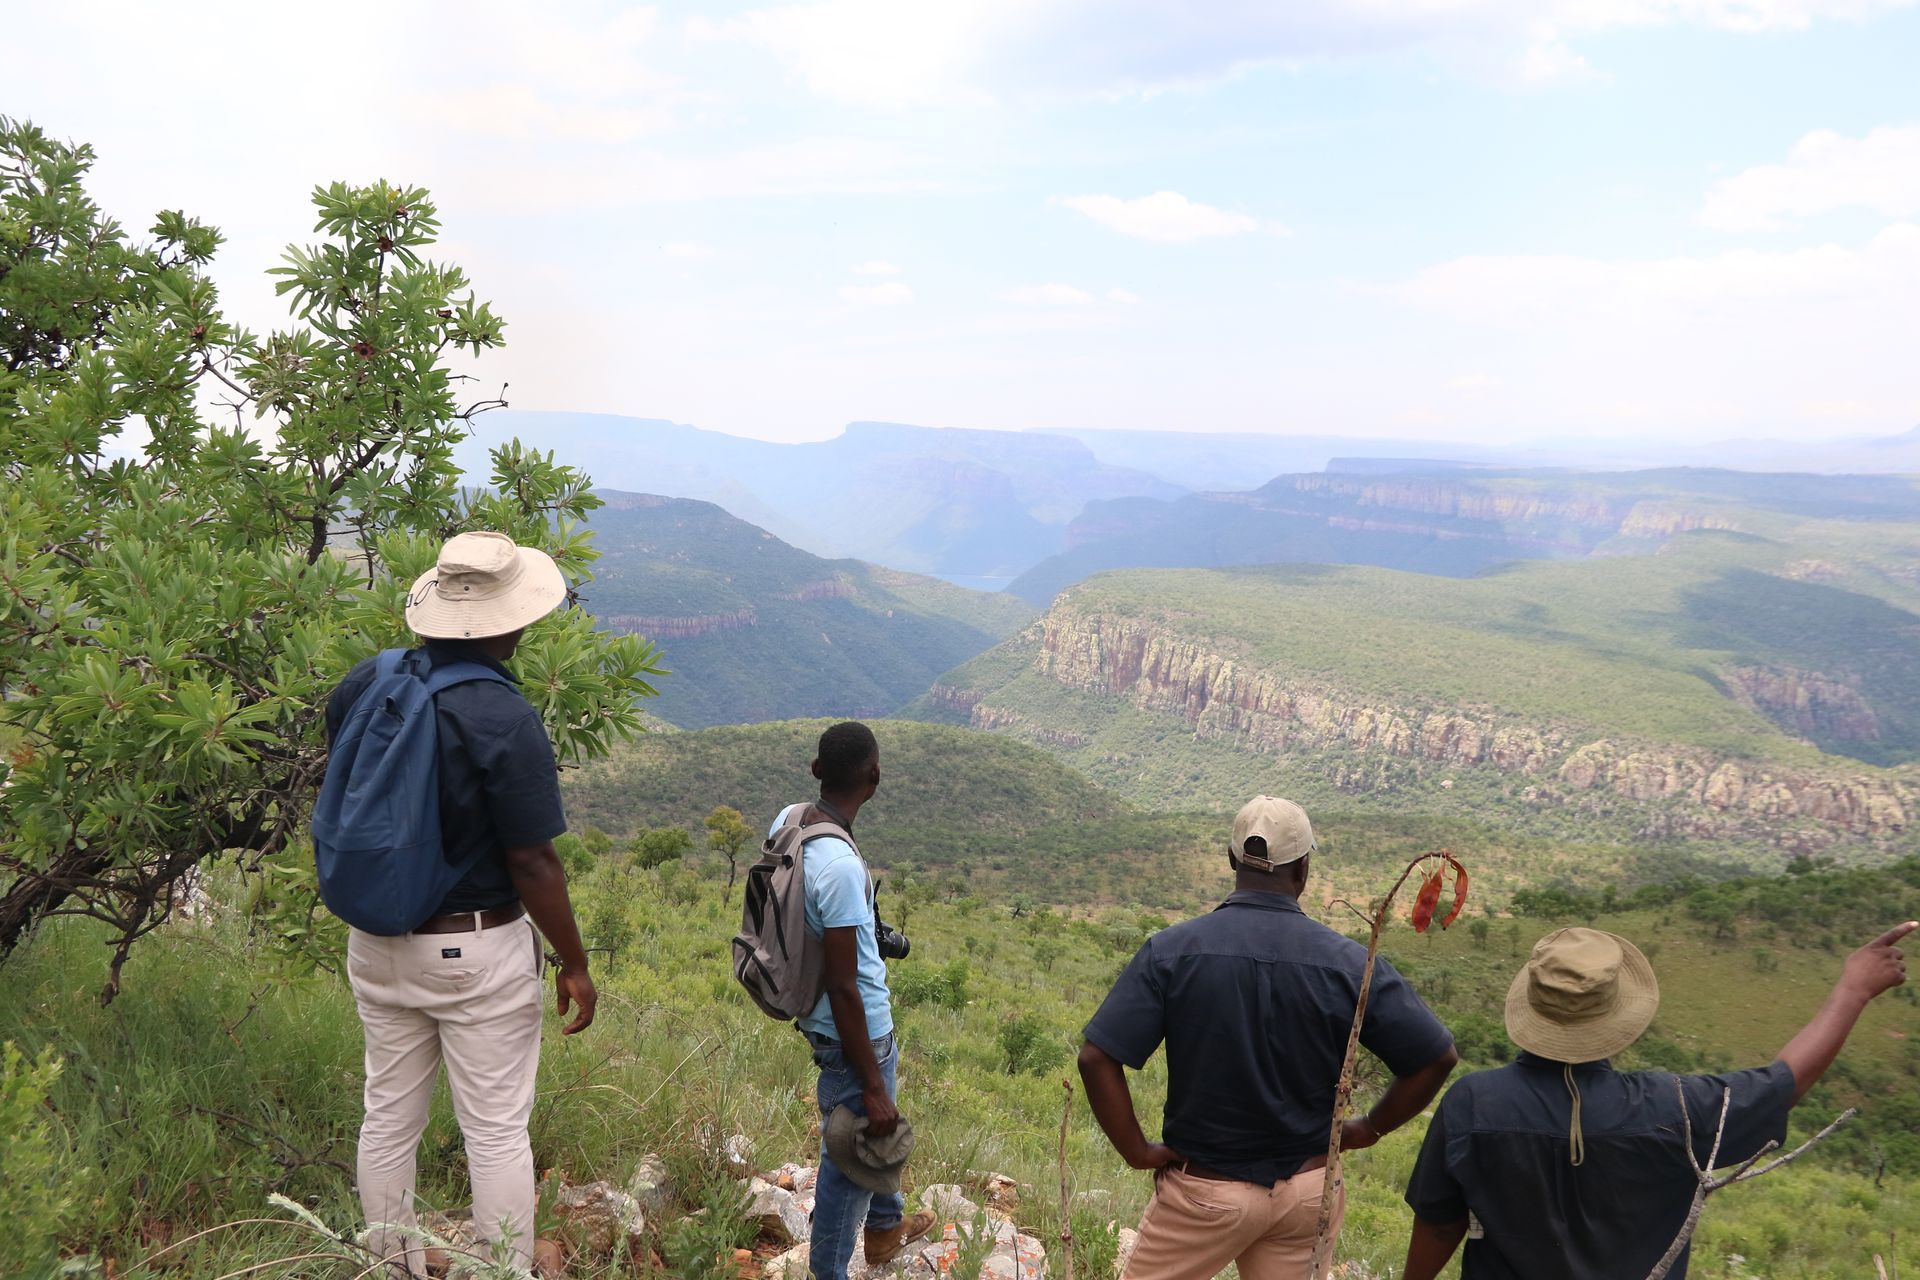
column 468, row 921
column 1193, row 1170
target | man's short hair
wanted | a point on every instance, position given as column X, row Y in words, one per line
column 846, row 749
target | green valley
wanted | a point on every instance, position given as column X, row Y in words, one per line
column 753, row 628
column 1724, row 690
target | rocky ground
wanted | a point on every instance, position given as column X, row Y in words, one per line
column 602, row 1222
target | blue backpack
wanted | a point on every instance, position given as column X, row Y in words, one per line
column 376, row 825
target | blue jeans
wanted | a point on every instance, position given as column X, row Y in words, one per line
column 840, row 1205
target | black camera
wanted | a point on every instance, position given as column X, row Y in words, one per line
column 893, row 944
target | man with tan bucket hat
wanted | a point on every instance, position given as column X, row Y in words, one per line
column 1558, row 1167
column 456, row 978
column 1254, row 1002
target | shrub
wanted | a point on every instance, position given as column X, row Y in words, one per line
column 38, row 1197
column 1029, row 1044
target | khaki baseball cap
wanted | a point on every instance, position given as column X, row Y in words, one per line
column 1281, row 823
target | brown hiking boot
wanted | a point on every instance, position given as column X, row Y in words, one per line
column 883, row 1247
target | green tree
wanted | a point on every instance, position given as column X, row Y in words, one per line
column 174, row 609
column 657, row 846
column 728, row 835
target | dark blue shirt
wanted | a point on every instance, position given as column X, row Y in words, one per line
column 499, row 785
column 1498, row 1148
column 1255, row 1002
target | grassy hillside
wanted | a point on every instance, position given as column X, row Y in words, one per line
column 953, row 806
column 1179, row 687
column 220, row 1075
column 969, row 812
column 753, row 628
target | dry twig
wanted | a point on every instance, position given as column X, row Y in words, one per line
column 1705, row 1181
column 1343, row 1092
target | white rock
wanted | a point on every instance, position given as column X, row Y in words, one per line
column 608, row 1216
column 1129, row 1240
column 791, row 1265
column 739, row 1153
column 778, row 1212
column 651, row 1186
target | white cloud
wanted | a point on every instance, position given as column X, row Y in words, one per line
column 1525, row 290
column 1048, row 295
column 1473, row 382
column 516, row 111
column 1741, row 341
column 1823, row 172
column 890, row 294
column 1166, row 216
column 689, row 251
column 875, row 267
column 1125, row 297
column 891, row 54
column 1552, row 63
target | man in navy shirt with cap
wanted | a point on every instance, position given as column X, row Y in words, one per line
column 1254, row 1002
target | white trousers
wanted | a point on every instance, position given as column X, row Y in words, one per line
column 470, row 1000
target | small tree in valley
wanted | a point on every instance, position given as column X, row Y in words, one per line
column 728, row 835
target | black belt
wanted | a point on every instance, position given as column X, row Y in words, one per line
column 470, row 921
column 1193, row 1170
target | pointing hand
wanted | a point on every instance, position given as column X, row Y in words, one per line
column 1879, row 966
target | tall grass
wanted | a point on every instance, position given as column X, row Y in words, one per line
column 214, row 1081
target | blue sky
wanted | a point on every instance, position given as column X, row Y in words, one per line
column 1457, row 219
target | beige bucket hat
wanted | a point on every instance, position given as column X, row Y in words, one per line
column 1281, row 823
column 1584, row 995
column 484, row 585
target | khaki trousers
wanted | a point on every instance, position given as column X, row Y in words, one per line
column 470, row 1000
column 1194, row 1227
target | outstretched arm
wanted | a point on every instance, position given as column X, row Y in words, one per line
column 1112, row 1103
column 1875, row 968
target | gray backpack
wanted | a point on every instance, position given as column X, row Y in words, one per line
column 782, row 965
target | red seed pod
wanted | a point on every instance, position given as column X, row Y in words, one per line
column 1459, row 896
column 1428, row 899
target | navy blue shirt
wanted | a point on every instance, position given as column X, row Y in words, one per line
column 1498, row 1149
column 499, row 784
column 1255, row 1002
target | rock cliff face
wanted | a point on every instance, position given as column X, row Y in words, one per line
column 1806, row 703
column 687, row 628
column 1685, row 791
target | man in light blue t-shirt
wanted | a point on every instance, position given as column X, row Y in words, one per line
column 851, row 1028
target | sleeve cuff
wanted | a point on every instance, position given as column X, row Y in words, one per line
column 1094, row 1036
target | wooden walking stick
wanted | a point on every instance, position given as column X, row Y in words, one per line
column 1423, row 908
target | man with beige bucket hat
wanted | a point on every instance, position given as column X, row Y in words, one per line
column 1254, row 1002
column 457, row 981
column 1558, row 1167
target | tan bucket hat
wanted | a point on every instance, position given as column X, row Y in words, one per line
column 1585, row 994
column 1281, row 823
column 484, row 585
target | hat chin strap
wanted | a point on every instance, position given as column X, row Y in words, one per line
column 1576, row 1140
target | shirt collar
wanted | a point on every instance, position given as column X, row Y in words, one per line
column 450, row 650
column 1527, row 1059
column 1263, row 901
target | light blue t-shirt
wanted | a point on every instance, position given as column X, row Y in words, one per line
column 840, row 896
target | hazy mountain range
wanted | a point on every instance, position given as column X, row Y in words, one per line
column 983, row 506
